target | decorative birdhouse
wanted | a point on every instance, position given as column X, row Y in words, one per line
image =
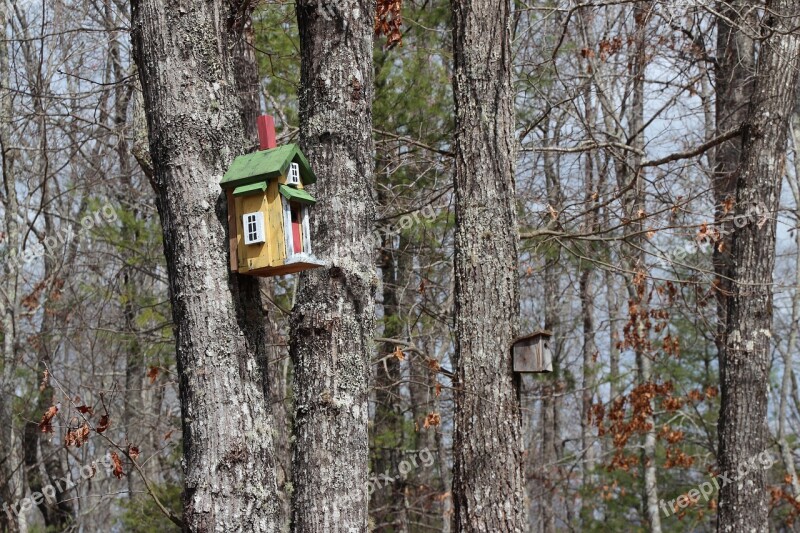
column 531, row 354
column 269, row 208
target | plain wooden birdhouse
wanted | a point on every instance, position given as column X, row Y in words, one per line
column 269, row 208
column 531, row 354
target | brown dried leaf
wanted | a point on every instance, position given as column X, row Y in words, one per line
column 77, row 437
column 133, row 451
column 398, row 354
column 46, row 425
column 433, row 419
column 105, row 421
column 152, row 373
column 117, row 465
column 727, row 205
column 388, row 19
column 85, row 409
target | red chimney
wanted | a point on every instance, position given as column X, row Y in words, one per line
column 266, row 132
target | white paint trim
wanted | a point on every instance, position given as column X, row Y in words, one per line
column 287, row 228
column 306, row 231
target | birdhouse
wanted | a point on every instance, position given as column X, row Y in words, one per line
column 531, row 354
column 269, row 208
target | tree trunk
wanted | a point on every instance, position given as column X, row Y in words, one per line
column 332, row 323
column 590, row 352
column 388, row 502
column 10, row 477
column 545, row 465
column 745, row 361
column 195, row 130
column 791, row 345
column 488, row 481
column 248, row 87
column 734, row 75
column 637, row 292
column 43, row 452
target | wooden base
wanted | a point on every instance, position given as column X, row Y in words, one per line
column 280, row 270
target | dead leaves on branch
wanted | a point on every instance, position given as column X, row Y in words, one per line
column 117, row 464
column 105, row 421
column 152, row 374
column 77, row 437
column 46, row 425
column 388, row 20
column 432, row 420
column 632, row 415
column 398, row 354
column 133, row 452
column 605, row 49
column 85, row 410
column 644, row 318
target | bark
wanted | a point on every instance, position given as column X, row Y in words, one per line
column 549, row 459
column 245, row 72
column 786, row 379
column 332, row 323
column 590, row 352
column 248, row 86
column 614, row 337
column 430, row 482
column 488, row 481
column 745, row 361
column 734, row 75
column 137, row 401
column 9, row 479
column 388, row 503
column 43, row 452
column 545, row 474
column 195, row 130
column 636, row 208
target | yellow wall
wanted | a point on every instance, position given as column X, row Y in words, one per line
column 272, row 252
column 274, row 224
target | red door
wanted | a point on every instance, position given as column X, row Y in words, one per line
column 296, row 230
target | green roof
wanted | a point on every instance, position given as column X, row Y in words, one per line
column 259, row 186
column 265, row 165
column 298, row 195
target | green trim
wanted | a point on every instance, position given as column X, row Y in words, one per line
column 259, row 187
column 297, row 195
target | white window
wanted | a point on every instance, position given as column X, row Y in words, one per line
column 293, row 177
column 253, row 227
